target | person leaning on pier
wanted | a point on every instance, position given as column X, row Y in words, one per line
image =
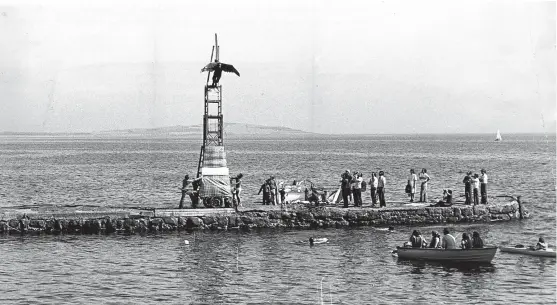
column 381, row 189
column 424, row 179
column 185, row 183
column 373, row 188
column 238, row 187
column 483, row 185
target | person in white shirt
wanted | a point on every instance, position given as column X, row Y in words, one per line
column 373, row 183
column 448, row 241
column 412, row 182
column 424, row 179
column 483, row 185
column 381, row 189
column 358, row 190
column 476, row 185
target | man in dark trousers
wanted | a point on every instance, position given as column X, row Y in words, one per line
column 265, row 189
column 467, row 188
column 381, row 189
column 185, row 183
column 345, row 186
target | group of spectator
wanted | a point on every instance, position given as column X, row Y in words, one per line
column 352, row 186
column 447, row 241
column 473, row 185
column 270, row 192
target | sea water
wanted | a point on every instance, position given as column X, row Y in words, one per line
column 354, row 267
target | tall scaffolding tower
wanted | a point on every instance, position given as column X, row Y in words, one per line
column 215, row 191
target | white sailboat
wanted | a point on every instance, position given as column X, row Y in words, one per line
column 498, row 137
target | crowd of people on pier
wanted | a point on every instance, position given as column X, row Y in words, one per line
column 353, row 186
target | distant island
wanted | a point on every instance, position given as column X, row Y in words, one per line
column 191, row 131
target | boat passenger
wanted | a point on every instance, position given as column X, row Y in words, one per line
column 541, row 245
column 435, row 240
column 466, row 243
column 416, row 239
column 477, row 241
column 448, row 241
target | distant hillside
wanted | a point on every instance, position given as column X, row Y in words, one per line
column 230, row 129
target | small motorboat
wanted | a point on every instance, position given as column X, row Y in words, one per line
column 528, row 251
column 475, row 255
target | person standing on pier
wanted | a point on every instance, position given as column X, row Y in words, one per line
column 345, row 181
column 185, row 183
column 238, row 187
column 476, row 185
column 412, row 182
column 358, row 190
column 424, row 179
column 373, row 182
column 483, row 185
column 265, row 189
column 381, row 189
column 467, row 188
column 273, row 186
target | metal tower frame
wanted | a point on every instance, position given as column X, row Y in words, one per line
column 213, row 128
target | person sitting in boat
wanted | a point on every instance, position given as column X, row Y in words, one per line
column 416, row 239
column 477, row 241
column 448, row 241
column 466, row 243
column 541, row 245
column 435, row 240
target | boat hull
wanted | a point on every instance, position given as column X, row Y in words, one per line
column 481, row 255
column 528, row 251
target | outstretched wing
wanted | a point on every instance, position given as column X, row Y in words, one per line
column 230, row 68
column 209, row 67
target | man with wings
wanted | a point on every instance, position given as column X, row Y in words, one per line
column 217, row 69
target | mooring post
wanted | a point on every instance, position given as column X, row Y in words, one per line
column 519, row 207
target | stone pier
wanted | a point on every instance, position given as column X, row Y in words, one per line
column 81, row 220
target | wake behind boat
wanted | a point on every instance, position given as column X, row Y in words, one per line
column 528, row 251
column 475, row 255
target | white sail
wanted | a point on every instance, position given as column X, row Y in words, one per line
column 498, row 137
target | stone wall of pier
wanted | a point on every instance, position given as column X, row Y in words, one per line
column 300, row 217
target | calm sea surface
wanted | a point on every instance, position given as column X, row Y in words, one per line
column 355, row 267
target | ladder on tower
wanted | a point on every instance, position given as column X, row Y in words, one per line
column 213, row 128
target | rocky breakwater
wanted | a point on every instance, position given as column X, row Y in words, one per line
column 298, row 216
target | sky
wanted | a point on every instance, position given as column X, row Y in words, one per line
column 322, row 66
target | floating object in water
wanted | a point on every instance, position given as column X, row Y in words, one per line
column 313, row 241
column 186, row 242
column 528, row 251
